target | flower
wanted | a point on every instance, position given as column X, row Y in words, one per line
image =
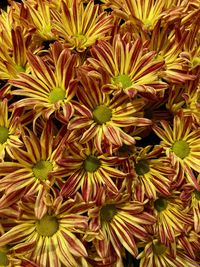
column 152, row 172
column 102, row 116
column 34, row 170
column 52, row 239
column 157, row 254
column 81, row 26
column 181, row 145
column 128, row 67
column 172, row 217
column 89, row 170
column 47, row 89
column 10, row 130
column 168, row 42
column 118, row 222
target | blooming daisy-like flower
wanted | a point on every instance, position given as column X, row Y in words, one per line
column 157, row 254
column 9, row 129
column 47, row 89
column 127, row 67
column 81, row 26
column 34, row 169
column 181, row 144
column 168, row 43
column 39, row 19
column 152, row 171
column 142, row 14
column 52, row 240
column 118, row 222
column 88, row 170
column 102, row 117
column 172, row 217
column 12, row 63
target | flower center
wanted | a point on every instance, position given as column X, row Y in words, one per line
column 47, row 226
column 197, row 194
column 102, row 114
column 142, row 167
column 160, row 204
column 4, row 132
column 3, row 259
column 91, row 164
column 159, row 248
column 108, row 212
column 123, row 80
column 56, row 94
column 41, row 169
column 181, row 149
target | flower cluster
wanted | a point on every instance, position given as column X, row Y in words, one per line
column 99, row 133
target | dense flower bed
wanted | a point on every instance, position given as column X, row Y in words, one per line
column 99, row 133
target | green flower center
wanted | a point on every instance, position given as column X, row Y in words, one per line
column 107, row 213
column 3, row 259
column 196, row 61
column 197, row 194
column 142, row 167
column 91, row 164
column 181, row 149
column 123, row 80
column 47, row 226
column 56, row 94
column 102, row 114
column 159, row 248
column 41, row 169
column 4, row 133
column 161, row 204
column 20, row 68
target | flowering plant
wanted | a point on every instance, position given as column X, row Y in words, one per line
column 99, row 133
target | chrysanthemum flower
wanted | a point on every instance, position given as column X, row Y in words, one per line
column 81, row 26
column 152, row 172
column 159, row 255
column 181, row 144
column 127, row 67
column 172, row 217
column 142, row 14
column 14, row 62
column 118, row 223
column 101, row 117
column 34, row 169
column 88, row 170
column 39, row 19
column 9, row 129
column 47, row 89
column 168, row 43
column 53, row 239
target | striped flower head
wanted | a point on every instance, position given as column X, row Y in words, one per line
column 152, row 172
column 88, row 170
column 119, row 223
column 168, row 42
column 48, row 89
column 173, row 217
column 128, row 67
column 53, row 239
column 34, row 170
column 10, row 131
column 181, row 145
column 157, row 254
column 101, row 116
column 81, row 26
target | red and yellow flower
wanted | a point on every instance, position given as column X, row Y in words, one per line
column 102, row 116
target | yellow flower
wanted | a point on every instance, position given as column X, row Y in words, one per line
column 181, row 144
column 81, row 26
